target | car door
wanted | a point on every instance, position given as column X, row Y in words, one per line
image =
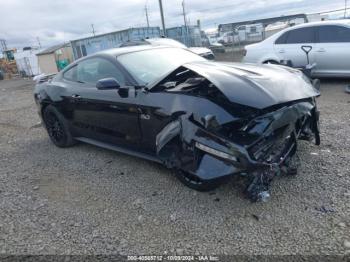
column 289, row 46
column 332, row 52
column 103, row 115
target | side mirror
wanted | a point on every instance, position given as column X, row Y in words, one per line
column 107, row 83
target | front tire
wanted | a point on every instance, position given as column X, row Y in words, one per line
column 172, row 152
column 57, row 127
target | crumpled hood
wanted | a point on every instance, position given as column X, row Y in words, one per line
column 257, row 86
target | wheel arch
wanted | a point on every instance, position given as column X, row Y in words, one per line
column 269, row 57
column 65, row 140
column 272, row 61
column 168, row 143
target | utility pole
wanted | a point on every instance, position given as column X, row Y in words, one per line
column 37, row 39
column 185, row 22
column 146, row 10
column 184, row 13
column 162, row 16
column 346, row 5
column 93, row 29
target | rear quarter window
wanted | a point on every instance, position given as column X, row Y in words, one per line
column 282, row 39
column 334, row 34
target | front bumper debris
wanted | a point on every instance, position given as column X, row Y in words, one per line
column 268, row 156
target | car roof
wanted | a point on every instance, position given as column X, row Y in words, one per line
column 320, row 23
column 128, row 49
column 328, row 22
column 165, row 41
column 133, row 43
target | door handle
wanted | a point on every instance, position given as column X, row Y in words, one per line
column 281, row 51
column 321, row 50
column 76, row 96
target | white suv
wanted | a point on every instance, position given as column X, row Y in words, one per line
column 330, row 42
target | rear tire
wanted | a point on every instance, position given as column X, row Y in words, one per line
column 57, row 127
column 196, row 183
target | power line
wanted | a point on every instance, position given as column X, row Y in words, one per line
column 327, row 12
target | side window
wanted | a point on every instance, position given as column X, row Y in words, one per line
column 83, row 48
column 333, row 34
column 301, row 36
column 94, row 69
column 282, row 39
column 71, row 74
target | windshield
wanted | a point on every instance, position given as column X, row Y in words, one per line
column 147, row 66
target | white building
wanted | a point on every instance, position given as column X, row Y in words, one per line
column 27, row 61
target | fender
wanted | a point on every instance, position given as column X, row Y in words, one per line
column 167, row 134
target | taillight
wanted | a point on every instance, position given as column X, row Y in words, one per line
column 244, row 52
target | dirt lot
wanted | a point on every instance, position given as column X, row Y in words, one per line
column 85, row 200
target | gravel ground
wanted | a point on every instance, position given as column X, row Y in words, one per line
column 87, row 200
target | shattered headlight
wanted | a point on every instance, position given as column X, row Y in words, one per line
column 215, row 152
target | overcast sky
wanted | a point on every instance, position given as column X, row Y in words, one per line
column 55, row 21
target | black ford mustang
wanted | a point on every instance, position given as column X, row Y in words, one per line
column 206, row 120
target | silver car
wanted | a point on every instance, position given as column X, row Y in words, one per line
column 329, row 40
column 201, row 51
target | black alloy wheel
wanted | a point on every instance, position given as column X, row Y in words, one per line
column 54, row 128
column 57, row 128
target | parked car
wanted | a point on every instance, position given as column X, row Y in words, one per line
column 215, row 45
column 227, row 38
column 237, row 37
column 1, row 75
column 329, row 40
column 206, row 120
column 202, row 51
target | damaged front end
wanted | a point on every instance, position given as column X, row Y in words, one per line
column 277, row 135
column 258, row 142
column 261, row 149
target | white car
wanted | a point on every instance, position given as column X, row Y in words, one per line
column 202, row 51
column 329, row 40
